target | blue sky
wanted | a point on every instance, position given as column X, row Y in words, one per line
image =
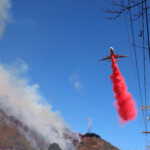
column 61, row 42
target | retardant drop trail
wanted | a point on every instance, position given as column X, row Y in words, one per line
column 124, row 103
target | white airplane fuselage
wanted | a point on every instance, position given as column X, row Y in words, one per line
column 112, row 52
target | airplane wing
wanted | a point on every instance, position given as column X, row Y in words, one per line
column 108, row 57
column 120, row 56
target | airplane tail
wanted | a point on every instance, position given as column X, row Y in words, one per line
column 111, row 60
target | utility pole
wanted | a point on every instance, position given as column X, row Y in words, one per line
column 89, row 125
column 145, row 107
column 146, row 132
column 148, row 147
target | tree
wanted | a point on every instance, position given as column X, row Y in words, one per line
column 117, row 8
column 139, row 10
column 54, row 146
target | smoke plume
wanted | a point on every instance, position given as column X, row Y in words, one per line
column 5, row 6
column 124, row 104
column 24, row 102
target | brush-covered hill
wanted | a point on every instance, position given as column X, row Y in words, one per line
column 12, row 139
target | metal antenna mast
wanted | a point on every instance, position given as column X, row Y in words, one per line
column 89, row 125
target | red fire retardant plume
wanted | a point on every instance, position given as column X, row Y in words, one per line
column 124, row 103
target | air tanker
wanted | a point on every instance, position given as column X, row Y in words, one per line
column 116, row 56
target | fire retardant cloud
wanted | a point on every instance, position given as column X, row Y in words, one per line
column 5, row 6
column 24, row 101
column 125, row 105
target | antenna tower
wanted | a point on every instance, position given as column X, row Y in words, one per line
column 89, row 125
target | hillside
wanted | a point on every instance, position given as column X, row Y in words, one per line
column 92, row 141
column 12, row 138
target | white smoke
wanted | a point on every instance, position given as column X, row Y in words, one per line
column 23, row 101
column 5, row 6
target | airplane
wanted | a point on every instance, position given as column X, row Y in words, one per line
column 116, row 56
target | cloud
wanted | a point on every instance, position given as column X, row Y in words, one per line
column 73, row 79
column 5, row 6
